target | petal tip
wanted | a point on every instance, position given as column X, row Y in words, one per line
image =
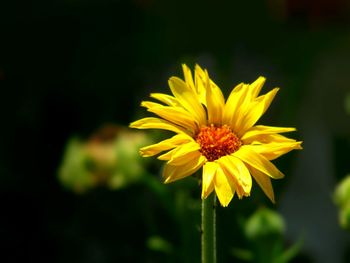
column 225, row 202
column 280, row 176
column 299, row 147
column 132, row 124
column 167, row 180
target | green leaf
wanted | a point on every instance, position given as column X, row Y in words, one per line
column 243, row 254
column 157, row 243
column 291, row 252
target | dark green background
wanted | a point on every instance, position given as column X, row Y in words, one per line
column 67, row 67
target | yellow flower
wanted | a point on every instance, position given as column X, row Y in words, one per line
column 219, row 136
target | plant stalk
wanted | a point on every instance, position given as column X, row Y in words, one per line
column 209, row 229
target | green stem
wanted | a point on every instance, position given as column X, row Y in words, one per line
column 209, row 229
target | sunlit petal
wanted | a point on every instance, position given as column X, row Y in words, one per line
column 224, row 187
column 264, row 182
column 259, row 130
column 200, row 84
column 188, row 99
column 247, row 154
column 272, row 151
column 236, row 106
column 181, row 154
column 166, row 99
column 209, row 170
column 232, row 104
column 165, row 145
column 215, row 101
column 188, row 77
column 156, row 123
column 234, row 168
column 177, row 115
column 256, row 86
column 172, row 173
column 267, row 138
column 256, row 109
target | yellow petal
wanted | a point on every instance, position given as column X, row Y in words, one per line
column 215, row 101
column 176, row 115
column 172, row 173
column 188, row 99
column 232, row 104
column 200, row 84
column 261, row 129
column 264, row 182
column 156, row 123
column 179, row 150
column 209, row 190
column 272, row 151
column 188, row 77
column 224, row 187
column 238, row 103
column 256, row 110
column 182, row 158
column 166, row 99
column 267, row 138
column 236, row 169
column 259, row 162
column 181, row 154
column 209, row 170
column 164, row 145
column 256, row 86
column 247, row 98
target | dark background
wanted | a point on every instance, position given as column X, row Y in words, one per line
column 67, row 67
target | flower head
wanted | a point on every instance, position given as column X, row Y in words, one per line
column 220, row 136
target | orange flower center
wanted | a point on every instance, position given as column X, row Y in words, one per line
column 216, row 142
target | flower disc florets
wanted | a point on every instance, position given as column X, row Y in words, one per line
column 216, row 142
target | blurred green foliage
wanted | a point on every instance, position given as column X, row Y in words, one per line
column 342, row 200
column 110, row 157
column 264, row 223
column 264, row 231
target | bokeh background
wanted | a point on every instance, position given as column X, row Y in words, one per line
column 69, row 67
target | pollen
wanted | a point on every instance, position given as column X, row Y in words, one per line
column 216, row 142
